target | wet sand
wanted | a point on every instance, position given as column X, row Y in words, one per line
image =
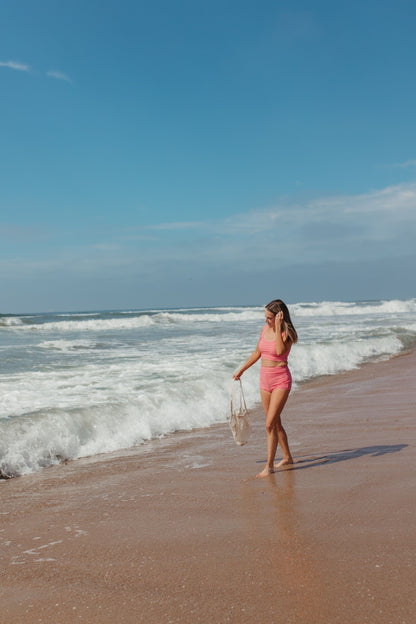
column 181, row 531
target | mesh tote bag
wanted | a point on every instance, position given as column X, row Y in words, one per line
column 239, row 419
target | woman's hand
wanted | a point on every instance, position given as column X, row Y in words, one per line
column 237, row 375
column 278, row 321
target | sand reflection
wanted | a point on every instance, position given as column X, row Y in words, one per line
column 274, row 519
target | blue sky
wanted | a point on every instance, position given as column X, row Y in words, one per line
column 187, row 153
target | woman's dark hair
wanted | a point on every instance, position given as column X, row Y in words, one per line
column 276, row 306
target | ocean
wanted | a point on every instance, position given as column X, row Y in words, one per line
column 80, row 384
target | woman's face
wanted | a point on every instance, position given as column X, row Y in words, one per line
column 269, row 316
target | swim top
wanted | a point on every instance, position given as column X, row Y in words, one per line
column 268, row 349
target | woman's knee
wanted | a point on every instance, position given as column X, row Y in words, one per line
column 270, row 427
column 274, row 426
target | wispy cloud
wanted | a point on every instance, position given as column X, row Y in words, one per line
column 16, row 233
column 406, row 164
column 106, row 247
column 377, row 222
column 59, row 76
column 175, row 225
column 152, row 232
column 368, row 227
column 381, row 223
column 15, row 65
column 399, row 201
column 24, row 67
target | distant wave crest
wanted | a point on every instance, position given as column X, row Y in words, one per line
column 10, row 321
column 140, row 320
column 339, row 308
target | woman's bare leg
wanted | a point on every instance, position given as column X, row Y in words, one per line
column 284, row 445
column 273, row 404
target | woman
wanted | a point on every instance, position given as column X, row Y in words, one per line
column 273, row 348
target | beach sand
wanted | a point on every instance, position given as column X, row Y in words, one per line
column 180, row 530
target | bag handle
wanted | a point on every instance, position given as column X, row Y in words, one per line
column 233, row 395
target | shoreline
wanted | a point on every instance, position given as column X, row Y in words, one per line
column 171, row 437
column 181, row 531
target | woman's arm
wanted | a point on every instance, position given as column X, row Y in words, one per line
column 251, row 360
column 281, row 345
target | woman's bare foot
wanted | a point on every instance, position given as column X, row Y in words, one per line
column 265, row 473
column 284, row 462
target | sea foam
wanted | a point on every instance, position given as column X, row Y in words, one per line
column 80, row 384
